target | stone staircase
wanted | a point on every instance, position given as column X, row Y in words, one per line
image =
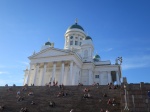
column 74, row 100
column 137, row 98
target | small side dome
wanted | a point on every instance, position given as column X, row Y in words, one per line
column 75, row 26
column 96, row 58
column 48, row 43
column 88, row 37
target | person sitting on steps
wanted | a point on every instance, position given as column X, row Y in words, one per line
column 32, row 103
column 56, row 84
column 107, row 111
column 30, row 93
column 23, row 110
column 2, row 107
column 59, row 94
column 85, row 96
column 64, row 94
column 71, row 110
column 18, row 92
column 14, row 85
column 86, row 90
column 113, row 102
column 6, row 85
column 109, row 102
column 24, row 88
column 20, row 98
column 104, row 95
column 52, row 104
column 101, row 110
column 89, row 96
column 94, row 84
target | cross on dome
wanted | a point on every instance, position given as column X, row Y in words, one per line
column 76, row 21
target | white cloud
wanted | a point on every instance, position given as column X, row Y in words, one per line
column 25, row 63
column 109, row 49
column 136, row 62
column 2, row 72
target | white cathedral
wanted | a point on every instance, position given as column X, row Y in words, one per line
column 72, row 65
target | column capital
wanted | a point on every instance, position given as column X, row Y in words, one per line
column 71, row 61
column 62, row 61
column 54, row 62
column 45, row 63
column 37, row 64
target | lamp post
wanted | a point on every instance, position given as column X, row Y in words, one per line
column 125, row 98
column 119, row 68
column 120, row 60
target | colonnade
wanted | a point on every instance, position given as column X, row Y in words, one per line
column 53, row 76
column 70, row 74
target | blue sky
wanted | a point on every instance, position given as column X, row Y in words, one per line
column 117, row 27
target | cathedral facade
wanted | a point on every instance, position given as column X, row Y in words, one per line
column 72, row 65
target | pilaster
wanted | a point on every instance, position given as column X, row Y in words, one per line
column 71, row 67
column 61, row 78
column 54, row 70
column 43, row 74
column 109, row 77
column 36, row 73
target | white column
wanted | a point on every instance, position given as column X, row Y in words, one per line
column 117, row 78
column 90, row 77
column 61, row 78
column 74, row 75
column 25, row 76
column 71, row 65
column 36, row 73
column 29, row 72
column 25, row 79
column 109, row 77
column 43, row 74
column 54, row 70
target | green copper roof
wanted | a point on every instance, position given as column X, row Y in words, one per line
column 76, row 26
column 47, row 43
column 96, row 56
column 88, row 37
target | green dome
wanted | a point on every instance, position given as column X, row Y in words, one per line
column 48, row 43
column 76, row 26
column 88, row 37
column 96, row 56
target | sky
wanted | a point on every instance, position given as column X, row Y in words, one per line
column 117, row 27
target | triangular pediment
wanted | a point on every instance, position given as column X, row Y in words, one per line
column 50, row 53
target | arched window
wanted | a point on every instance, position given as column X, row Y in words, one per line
column 86, row 54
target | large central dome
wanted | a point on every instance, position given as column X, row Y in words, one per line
column 75, row 26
